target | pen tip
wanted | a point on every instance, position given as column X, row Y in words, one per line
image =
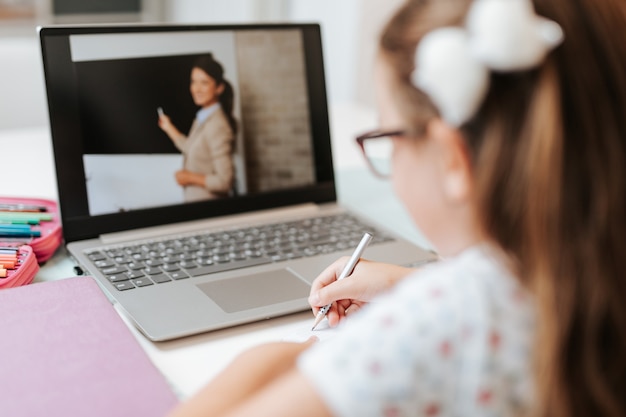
column 318, row 318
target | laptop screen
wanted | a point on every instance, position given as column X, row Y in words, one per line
column 155, row 125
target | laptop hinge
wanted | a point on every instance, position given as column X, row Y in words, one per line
column 236, row 220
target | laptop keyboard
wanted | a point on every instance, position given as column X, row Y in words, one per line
column 160, row 261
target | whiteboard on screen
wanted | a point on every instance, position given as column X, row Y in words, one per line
column 117, row 183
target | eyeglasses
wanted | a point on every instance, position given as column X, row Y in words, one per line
column 377, row 147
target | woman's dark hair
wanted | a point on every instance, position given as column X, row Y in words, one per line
column 227, row 99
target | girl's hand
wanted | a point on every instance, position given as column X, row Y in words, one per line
column 348, row 295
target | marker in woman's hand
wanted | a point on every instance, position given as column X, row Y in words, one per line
column 160, row 111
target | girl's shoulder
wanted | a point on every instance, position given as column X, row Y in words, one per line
column 473, row 293
column 478, row 274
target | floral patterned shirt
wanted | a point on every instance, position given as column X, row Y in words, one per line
column 454, row 339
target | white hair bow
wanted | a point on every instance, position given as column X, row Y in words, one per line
column 453, row 64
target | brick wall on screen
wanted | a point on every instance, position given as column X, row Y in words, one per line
column 274, row 105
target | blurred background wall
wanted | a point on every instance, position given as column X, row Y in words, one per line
column 349, row 29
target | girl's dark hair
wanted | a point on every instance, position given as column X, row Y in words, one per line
column 227, row 99
column 549, row 164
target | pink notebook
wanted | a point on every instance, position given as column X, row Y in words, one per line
column 64, row 351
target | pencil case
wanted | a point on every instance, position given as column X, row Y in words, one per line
column 22, row 271
column 45, row 226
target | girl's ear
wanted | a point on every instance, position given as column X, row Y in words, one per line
column 454, row 162
column 220, row 89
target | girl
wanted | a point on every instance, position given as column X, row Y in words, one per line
column 507, row 124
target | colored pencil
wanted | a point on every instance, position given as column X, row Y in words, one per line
column 22, row 207
column 7, row 264
column 17, row 233
column 14, row 227
column 20, row 221
column 12, row 215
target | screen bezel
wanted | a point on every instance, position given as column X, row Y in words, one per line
column 66, row 134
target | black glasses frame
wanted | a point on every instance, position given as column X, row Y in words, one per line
column 372, row 135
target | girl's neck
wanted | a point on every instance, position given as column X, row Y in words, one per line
column 458, row 232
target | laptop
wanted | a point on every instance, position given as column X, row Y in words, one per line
column 67, row 352
column 180, row 263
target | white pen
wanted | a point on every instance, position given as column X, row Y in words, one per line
column 160, row 111
column 347, row 270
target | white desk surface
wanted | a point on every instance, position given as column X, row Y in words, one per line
column 190, row 362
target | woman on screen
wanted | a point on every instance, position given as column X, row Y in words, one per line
column 208, row 165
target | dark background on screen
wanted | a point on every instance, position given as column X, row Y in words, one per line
column 118, row 100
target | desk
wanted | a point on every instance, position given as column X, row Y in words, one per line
column 191, row 362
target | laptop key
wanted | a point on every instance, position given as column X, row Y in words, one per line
column 169, row 259
column 170, row 267
column 142, row 282
column 97, row 256
column 135, row 265
column 238, row 256
column 228, row 266
column 279, row 257
column 221, row 258
column 187, row 264
column 114, row 270
column 123, row 286
column 178, row 275
column 122, row 260
column 115, row 252
column 160, row 278
column 104, row 263
column 118, row 277
column 310, row 251
column 204, row 261
column 140, row 256
column 294, row 254
column 134, row 274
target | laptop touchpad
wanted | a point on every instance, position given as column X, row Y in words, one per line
column 256, row 290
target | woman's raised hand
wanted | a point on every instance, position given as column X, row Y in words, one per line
column 168, row 127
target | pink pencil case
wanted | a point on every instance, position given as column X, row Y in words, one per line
column 51, row 237
column 24, row 271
